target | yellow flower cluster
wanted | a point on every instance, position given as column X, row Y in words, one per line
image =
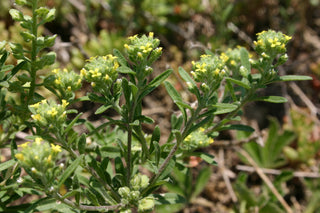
column 271, row 43
column 209, row 70
column 101, row 71
column 143, row 49
column 38, row 157
column 196, row 140
column 66, row 82
column 50, row 114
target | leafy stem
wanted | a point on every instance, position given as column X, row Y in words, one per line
column 33, row 68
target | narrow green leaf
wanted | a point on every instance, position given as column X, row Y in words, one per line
column 7, row 164
column 168, row 198
column 126, row 70
column 207, row 158
column 121, row 59
column 126, row 90
column 70, row 125
column 173, row 92
column 239, row 127
column 222, row 108
column 46, row 204
column 202, row 180
column 82, row 144
column 271, row 99
column 68, row 172
column 15, row 70
column 239, row 83
column 168, row 169
column 102, row 109
column 155, row 83
column 295, row 78
column 244, row 57
column 156, row 134
column 92, row 197
column 176, row 98
column 186, row 77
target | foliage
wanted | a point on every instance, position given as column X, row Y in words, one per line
column 270, row 154
column 102, row 170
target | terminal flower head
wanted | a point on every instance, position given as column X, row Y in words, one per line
column 143, row 49
column 101, row 71
column 38, row 158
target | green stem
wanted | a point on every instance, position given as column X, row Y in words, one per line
column 33, row 68
column 86, row 207
column 179, row 140
column 129, row 163
column 86, row 166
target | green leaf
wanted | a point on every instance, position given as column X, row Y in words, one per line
column 239, row 127
column 82, row 144
column 70, row 125
column 222, row 108
column 239, row 83
column 168, row 198
column 168, row 169
column 7, row 164
column 173, row 92
column 244, row 57
column 126, row 90
column 68, row 172
column 15, row 70
column 46, row 204
column 126, row 70
column 186, row 77
column 202, row 180
column 295, row 78
column 271, row 99
column 120, row 58
column 206, row 157
column 155, row 83
column 156, row 134
column 176, row 98
column 102, row 109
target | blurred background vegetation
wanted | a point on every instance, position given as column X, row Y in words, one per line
column 187, row 28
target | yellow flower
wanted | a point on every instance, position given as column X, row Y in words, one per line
column 83, row 72
column 201, row 67
column 133, row 37
column 57, row 81
column 55, row 71
column 19, row 156
column 95, row 73
column 116, row 65
column 211, row 140
column 224, row 57
column 126, row 46
column 38, row 140
column 64, row 103
column 146, row 48
column 151, row 34
column 53, row 112
column 24, row 145
column 111, row 57
column 107, row 77
column 36, row 117
column 216, row 71
column 49, row 159
column 36, row 105
column 56, row 148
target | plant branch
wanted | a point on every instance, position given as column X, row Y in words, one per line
column 86, row 207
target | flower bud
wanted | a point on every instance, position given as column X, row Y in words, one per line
column 124, row 191
column 146, row 204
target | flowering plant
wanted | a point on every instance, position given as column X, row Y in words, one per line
column 103, row 168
